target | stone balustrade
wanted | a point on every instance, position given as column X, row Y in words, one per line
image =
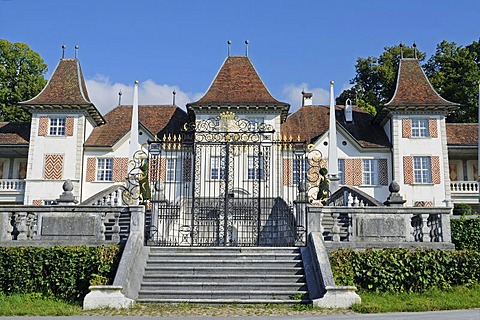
column 12, row 185
column 111, row 196
column 351, row 197
column 464, row 187
column 61, row 224
column 382, row 224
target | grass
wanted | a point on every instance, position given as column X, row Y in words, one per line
column 34, row 304
column 455, row 298
column 452, row 299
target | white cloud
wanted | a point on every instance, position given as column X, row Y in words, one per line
column 292, row 93
column 104, row 94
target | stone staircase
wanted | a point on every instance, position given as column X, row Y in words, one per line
column 224, row 275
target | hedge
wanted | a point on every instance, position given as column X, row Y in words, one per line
column 466, row 233
column 402, row 270
column 61, row 272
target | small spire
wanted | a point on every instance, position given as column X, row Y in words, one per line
column 76, row 51
column 415, row 50
column 120, row 97
column 401, row 50
column 229, row 42
column 246, row 48
column 174, row 94
column 63, row 51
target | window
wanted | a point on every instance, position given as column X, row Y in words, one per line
column 217, row 168
column 256, row 168
column 370, row 172
column 420, row 128
column 105, row 169
column 422, row 170
column 341, row 170
column 300, row 168
column 57, row 126
column 170, row 169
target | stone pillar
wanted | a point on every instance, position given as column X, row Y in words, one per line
column 394, row 199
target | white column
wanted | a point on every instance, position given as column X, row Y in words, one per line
column 134, row 146
column 332, row 145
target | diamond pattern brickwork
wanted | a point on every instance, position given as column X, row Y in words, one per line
column 37, row 202
column 383, row 172
column 120, row 169
column 353, row 172
column 423, row 204
column 287, row 171
column 69, row 123
column 432, row 128
column 53, row 167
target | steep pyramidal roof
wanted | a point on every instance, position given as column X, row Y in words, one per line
column 237, row 82
column 156, row 119
column 66, row 89
column 414, row 89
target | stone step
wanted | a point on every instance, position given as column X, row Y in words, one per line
column 221, row 294
column 250, row 278
column 223, row 255
column 238, row 269
column 214, row 286
column 223, row 301
column 223, row 250
column 226, row 263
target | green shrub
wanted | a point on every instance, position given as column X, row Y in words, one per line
column 60, row 272
column 402, row 270
column 466, row 233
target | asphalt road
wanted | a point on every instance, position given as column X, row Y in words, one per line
column 437, row 315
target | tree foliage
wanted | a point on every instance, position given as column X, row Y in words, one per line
column 452, row 70
column 21, row 78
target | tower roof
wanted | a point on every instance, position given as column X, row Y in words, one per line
column 237, row 82
column 66, row 89
column 414, row 89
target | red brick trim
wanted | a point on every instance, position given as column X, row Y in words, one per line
column 408, row 170
column 53, row 167
column 432, row 128
column 287, row 171
column 69, row 124
column 43, row 124
column 435, row 163
column 91, row 173
column 406, row 128
column 120, row 169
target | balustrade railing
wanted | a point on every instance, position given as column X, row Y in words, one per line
column 28, row 223
column 351, row 197
column 346, row 224
column 464, row 186
column 12, row 185
column 111, row 196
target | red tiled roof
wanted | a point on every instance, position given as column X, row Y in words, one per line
column 462, row 134
column 413, row 87
column 65, row 89
column 12, row 133
column 237, row 82
column 157, row 119
column 310, row 122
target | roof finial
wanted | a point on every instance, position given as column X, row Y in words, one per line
column 120, row 97
column 401, row 50
column 63, row 51
column 174, row 94
column 229, row 42
column 76, row 51
column 246, row 48
column 415, row 50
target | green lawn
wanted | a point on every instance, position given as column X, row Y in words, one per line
column 35, row 304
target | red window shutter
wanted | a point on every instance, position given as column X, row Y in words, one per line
column 69, row 123
column 287, row 171
column 353, row 172
column 91, row 169
column 432, row 128
column 120, row 168
column 406, row 128
column 408, row 170
column 383, row 172
column 162, row 174
column 43, row 124
column 435, row 163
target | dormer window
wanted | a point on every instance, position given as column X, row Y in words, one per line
column 57, row 126
column 420, row 128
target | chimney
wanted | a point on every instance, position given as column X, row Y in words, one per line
column 307, row 98
column 348, row 111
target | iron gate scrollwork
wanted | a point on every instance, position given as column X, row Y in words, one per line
column 226, row 181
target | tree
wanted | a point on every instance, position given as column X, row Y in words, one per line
column 374, row 82
column 21, row 78
column 454, row 72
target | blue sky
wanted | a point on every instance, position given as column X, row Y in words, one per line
column 180, row 45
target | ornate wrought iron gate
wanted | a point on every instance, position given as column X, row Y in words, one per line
column 224, row 182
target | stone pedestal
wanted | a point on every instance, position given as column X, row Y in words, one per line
column 338, row 297
column 106, row 297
